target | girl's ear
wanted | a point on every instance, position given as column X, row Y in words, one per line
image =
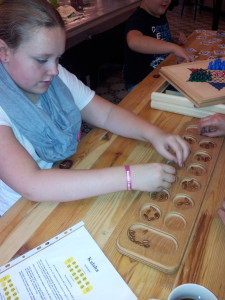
column 4, row 52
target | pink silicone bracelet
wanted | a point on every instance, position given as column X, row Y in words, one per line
column 128, row 173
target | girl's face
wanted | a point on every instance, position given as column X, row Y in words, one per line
column 35, row 62
column 155, row 7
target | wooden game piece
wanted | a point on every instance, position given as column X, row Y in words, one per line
column 202, row 156
column 197, row 170
column 66, row 164
column 207, row 144
column 151, row 213
column 160, row 196
column 189, row 139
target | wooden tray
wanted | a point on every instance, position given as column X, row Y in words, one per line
column 181, row 105
column 200, row 93
column 158, row 230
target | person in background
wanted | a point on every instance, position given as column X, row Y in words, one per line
column 41, row 107
column 148, row 41
column 213, row 126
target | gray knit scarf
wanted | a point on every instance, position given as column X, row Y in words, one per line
column 53, row 130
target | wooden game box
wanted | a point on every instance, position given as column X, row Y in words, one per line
column 158, row 229
column 175, row 102
column 201, row 94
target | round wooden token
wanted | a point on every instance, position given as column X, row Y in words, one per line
column 66, row 164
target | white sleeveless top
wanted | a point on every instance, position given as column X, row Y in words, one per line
column 82, row 96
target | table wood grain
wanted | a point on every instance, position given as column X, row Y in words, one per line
column 28, row 224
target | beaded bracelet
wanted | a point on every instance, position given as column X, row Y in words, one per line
column 128, row 173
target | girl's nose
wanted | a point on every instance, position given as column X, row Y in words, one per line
column 53, row 69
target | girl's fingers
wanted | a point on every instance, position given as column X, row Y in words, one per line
column 221, row 214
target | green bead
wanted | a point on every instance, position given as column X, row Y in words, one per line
column 54, row 3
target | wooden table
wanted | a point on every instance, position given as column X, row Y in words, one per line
column 99, row 16
column 28, row 224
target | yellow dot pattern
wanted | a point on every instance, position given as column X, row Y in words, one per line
column 8, row 288
column 78, row 275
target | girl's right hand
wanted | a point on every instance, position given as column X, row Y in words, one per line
column 152, row 177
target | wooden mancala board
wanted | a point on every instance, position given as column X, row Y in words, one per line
column 200, row 93
column 158, row 229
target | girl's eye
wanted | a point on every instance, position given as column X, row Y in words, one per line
column 41, row 61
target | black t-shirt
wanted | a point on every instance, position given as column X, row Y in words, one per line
column 137, row 65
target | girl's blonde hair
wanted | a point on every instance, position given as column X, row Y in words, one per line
column 18, row 19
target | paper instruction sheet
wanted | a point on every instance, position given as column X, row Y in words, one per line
column 69, row 266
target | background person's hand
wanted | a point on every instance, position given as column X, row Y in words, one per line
column 212, row 126
column 221, row 212
column 180, row 38
column 182, row 54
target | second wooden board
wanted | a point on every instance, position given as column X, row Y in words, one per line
column 200, row 93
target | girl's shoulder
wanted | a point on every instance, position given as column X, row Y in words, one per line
column 81, row 93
